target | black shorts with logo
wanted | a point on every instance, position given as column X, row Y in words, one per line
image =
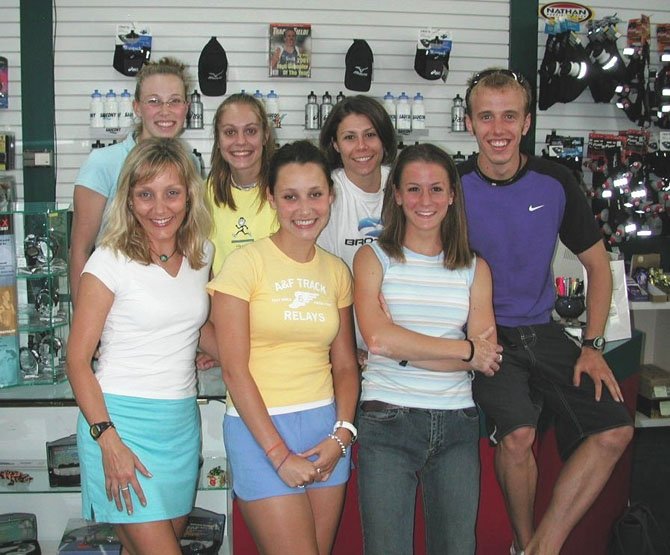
column 536, row 374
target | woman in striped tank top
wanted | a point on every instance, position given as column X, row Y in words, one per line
column 423, row 302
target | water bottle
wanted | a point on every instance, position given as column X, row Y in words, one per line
column 418, row 113
column 403, row 114
column 201, row 163
column 111, row 110
column 339, row 98
column 389, row 106
column 195, row 112
column 258, row 95
column 326, row 107
column 126, row 114
column 458, row 115
column 311, row 112
column 96, row 110
column 272, row 108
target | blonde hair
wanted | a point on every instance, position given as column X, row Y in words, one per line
column 164, row 66
column 123, row 233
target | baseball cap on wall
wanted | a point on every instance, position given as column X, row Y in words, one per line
column 430, row 66
column 358, row 70
column 212, row 68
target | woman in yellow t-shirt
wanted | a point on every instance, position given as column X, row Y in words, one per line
column 243, row 146
column 282, row 312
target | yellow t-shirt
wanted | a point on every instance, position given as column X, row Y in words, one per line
column 235, row 228
column 293, row 318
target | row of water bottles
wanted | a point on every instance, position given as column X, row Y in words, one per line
column 271, row 103
column 406, row 116
column 315, row 114
column 111, row 110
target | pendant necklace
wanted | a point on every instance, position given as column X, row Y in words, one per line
column 164, row 257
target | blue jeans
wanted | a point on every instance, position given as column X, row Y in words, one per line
column 403, row 447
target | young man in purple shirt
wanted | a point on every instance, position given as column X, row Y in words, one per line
column 517, row 206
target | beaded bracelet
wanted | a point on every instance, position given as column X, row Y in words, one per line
column 339, row 442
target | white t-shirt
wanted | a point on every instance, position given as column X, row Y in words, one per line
column 148, row 343
column 355, row 217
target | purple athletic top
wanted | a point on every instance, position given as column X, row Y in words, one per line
column 514, row 227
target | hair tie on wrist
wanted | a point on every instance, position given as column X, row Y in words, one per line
column 288, row 454
column 472, row 351
column 403, row 363
column 280, row 442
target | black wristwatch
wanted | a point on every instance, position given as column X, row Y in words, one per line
column 98, row 428
column 597, row 343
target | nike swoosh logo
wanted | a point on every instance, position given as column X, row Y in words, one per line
column 532, row 208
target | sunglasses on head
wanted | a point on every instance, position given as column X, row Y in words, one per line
column 477, row 77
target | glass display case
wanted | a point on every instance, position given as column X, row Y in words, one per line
column 34, row 293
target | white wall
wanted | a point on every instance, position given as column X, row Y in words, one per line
column 10, row 48
column 85, row 41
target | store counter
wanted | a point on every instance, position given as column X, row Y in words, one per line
column 494, row 534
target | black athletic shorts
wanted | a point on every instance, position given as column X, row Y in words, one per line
column 536, row 374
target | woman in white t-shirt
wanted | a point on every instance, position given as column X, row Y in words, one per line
column 360, row 144
column 142, row 297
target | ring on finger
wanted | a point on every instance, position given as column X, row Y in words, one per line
column 300, row 486
column 125, row 489
column 318, row 471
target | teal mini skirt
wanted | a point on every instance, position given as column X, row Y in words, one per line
column 165, row 436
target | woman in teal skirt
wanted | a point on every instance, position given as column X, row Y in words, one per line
column 142, row 298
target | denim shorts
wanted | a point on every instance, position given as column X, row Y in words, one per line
column 536, row 374
column 254, row 477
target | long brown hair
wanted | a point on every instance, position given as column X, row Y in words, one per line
column 453, row 230
column 219, row 179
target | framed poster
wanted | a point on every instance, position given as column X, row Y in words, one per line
column 290, row 50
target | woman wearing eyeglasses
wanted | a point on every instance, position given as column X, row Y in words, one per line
column 160, row 105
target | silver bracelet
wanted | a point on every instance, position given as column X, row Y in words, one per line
column 339, row 442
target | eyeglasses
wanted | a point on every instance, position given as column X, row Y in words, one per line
column 172, row 104
column 518, row 77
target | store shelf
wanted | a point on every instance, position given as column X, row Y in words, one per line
column 648, row 305
column 643, row 421
column 210, row 388
column 37, row 470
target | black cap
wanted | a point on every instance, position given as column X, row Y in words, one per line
column 430, row 66
column 212, row 68
column 358, row 71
